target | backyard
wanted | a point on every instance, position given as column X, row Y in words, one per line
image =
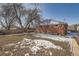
column 33, row 32
column 28, row 44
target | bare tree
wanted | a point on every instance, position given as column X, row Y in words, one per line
column 34, row 16
column 21, row 14
column 17, row 13
column 7, row 16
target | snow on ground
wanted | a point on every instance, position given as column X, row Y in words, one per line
column 39, row 44
column 35, row 45
column 53, row 37
column 46, row 44
column 57, row 38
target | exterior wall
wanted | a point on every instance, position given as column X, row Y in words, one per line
column 72, row 28
column 60, row 29
column 78, row 28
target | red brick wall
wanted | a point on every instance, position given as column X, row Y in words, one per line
column 60, row 29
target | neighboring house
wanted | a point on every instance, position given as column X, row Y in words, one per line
column 72, row 27
column 78, row 27
column 53, row 27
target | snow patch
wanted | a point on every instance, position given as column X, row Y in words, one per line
column 46, row 44
column 34, row 45
column 53, row 37
column 40, row 44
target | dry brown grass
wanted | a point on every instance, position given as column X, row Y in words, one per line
column 6, row 39
column 53, row 52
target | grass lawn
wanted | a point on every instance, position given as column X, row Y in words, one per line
column 6, row 39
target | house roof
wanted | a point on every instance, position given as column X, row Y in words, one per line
column 50, row 22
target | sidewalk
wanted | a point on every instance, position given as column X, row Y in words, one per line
column 75, row 48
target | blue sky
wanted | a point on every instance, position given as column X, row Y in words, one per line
column 59, row 11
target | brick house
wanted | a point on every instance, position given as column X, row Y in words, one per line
column 52, row 27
